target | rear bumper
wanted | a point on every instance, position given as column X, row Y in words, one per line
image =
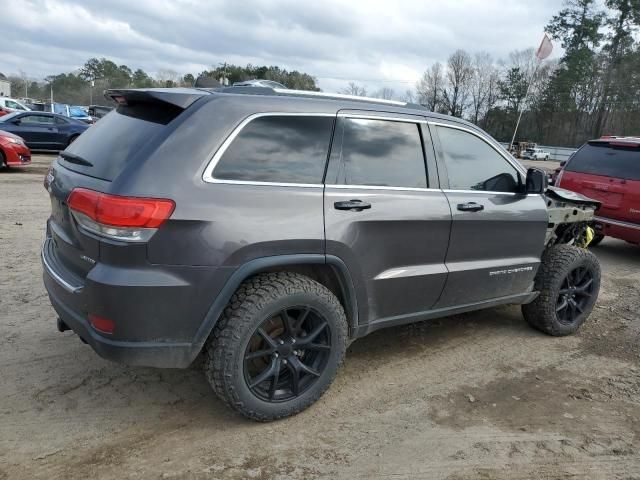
column 151, row 354
column 153, row 325
column 618, row 229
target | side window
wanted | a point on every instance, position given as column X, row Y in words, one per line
column 36, row 120
column 14, row 105
column 472, row 164
column 61, row 121
column 381, row 153
column 281, row 149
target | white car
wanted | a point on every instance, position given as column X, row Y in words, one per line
column 9, row 105
column 535, row 154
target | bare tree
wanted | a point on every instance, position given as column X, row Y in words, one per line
column 354, row 89
column 25, row 81
column 493, row 94
column 409, row 96
column 385, row 93
column 168, row 77
column 455, row 95
column 429, row 87
column 480, row 85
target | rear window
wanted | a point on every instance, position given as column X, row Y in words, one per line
column 606, row 160
column 278, row 149
column 116, row 139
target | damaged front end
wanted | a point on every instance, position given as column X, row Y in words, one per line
column 570, row 218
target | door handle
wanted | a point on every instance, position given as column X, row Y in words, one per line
column 470, row 207
column 355, row 205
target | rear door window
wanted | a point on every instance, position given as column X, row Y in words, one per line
column 278, row 149
column 376, row 152
column 601, row 158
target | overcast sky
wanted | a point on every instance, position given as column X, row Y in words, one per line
column 375, row 43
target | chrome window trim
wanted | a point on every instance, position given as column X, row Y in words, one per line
column 407, row 119
column 500, row 151
column 207, row 175
column 264, row 184
column 382, row 187
column 485, row 192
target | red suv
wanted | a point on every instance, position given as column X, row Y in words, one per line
column 608, row 170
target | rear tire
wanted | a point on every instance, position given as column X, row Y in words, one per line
column 277, row 346
column 568, row 282
column 3, row 161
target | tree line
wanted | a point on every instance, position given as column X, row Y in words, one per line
column 593, row 89
column 87, row 84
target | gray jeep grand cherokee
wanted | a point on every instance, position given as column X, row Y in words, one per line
column 268, row 229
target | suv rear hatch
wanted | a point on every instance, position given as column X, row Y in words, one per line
column 608, row 171
column 94, row 160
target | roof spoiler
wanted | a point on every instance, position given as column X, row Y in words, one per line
column 179, row 97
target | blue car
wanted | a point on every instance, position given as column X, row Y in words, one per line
column 71, row 111
column 43, row 130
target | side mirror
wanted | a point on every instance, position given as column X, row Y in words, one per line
column 537, row 181
column 563, row 163
column 16, row 121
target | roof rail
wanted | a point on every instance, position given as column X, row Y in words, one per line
column 286, row 91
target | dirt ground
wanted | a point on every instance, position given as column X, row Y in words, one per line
column 478, row 395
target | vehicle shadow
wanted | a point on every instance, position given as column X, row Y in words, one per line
column 184, row 396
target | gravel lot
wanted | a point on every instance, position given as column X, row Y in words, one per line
column 477, row 395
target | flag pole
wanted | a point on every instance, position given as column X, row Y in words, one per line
column 544, row 50
column 524, row 102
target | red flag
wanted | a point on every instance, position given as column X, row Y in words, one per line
column 545, row 48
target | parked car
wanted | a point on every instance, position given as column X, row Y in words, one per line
column 316, row 220
column 9, row 105
column 535, row 154
column 608, row 169
column 71, row 111
column 35, row 106
column 98, row 111
column 43, row 130
column 13, row 151
column 259, row 83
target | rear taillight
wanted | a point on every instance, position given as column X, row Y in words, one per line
column 131, row 219
column 101, row 324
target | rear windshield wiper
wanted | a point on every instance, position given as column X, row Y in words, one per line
column 70, row 157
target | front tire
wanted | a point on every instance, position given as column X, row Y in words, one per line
column 568, row 282
column 277, row 347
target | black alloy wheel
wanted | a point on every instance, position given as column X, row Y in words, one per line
column 574, row 294
column 567, row 282
column 287, row 354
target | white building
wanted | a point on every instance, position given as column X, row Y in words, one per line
column 5, row 87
